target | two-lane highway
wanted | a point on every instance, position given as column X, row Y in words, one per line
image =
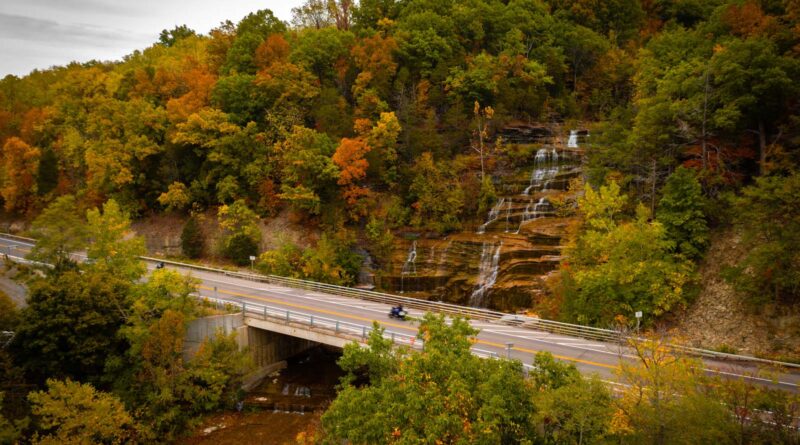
column 494, row 338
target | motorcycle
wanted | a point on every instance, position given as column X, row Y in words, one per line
column 398, row 313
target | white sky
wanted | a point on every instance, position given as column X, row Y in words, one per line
column 43, row 33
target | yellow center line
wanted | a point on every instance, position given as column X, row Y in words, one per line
column 399, row 326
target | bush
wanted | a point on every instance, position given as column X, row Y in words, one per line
column 240, row 248
column 192, row 240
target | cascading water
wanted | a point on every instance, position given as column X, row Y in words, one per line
column 533, row 211
column 487, row 274
column 545, row 168
column 572, row 142
column 410, row 266
column 493, row 214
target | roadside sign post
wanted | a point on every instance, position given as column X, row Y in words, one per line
column 508, row 349
column 638, row 321
column 252, row 260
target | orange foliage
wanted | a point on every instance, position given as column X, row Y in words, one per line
column 374, row 54
column 19, row 168
column 274, row 49
column 199, row 83
column 33, row 122
column 349, row 157
column 747, row 20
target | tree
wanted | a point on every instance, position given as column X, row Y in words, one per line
column 113, row 249
column 665, row 400
column 615, row 269
column 767, row 217
column 70, row 324
column 59, row 231
column 20, row 164
column 75, row 413
column 171, row 37
column 251, row 31
column 350, row 158
column 680, row 210
column 308, row 170
column 443, row 393
column 192, row 239
column 482, row 118
column 437, row 204
column 176, row 197
column 242, row 234
column 171, row 393
column 754, row 83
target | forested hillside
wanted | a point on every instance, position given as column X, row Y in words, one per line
column 360, row 119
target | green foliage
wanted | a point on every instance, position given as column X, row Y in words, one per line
column 10, row 431
column 250, row 32
column 436, row 202
column 681, row 212
column 332, row 261
column 444, row 393
column 239, row 248
column 171, row 37
column 112, row 249
column 615, row 269
column 168, row 392
column 487, row 196
column 75, row 413
column 242, row 233
column 9, row 316
column 308, row 170
column 192, row 238
column 59, row 231
column 70, row 324
column 767, row 217
column 381, row 240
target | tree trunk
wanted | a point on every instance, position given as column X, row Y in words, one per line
column 705, row 117
column 653, row 192
column 762, row 147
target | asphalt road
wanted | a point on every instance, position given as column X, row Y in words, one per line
column 590, row 357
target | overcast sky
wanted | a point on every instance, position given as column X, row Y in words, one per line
column 43, row 33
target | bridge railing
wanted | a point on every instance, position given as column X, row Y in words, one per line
column 338, row 328
column 550, row 326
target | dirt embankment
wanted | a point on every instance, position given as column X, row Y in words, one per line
column 721, row 318
column 162, row 233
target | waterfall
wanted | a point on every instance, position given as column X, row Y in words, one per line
column 493, row 214
column 411, row 260
column 410, row 266
column 573, row 139
column 545, row 168
column 533, row 211
column 487, row 274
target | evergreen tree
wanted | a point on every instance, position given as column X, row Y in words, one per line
column 680, row 211
column 192, row 239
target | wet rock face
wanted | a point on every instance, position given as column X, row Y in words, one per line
column 500, row 262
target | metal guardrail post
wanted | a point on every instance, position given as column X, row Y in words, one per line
column 265, row 312
column 392, row 337
column 337, row 326
column 311, row 320
column 288, row 315
column 363, row 332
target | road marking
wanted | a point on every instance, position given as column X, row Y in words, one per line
column 399, row 326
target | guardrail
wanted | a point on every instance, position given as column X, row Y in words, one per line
column 337, row 327
column 550, row 326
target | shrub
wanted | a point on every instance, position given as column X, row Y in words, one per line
column 192, row 240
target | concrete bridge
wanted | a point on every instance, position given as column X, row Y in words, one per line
column 282, row 316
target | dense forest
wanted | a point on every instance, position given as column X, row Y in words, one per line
column 363, row 119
